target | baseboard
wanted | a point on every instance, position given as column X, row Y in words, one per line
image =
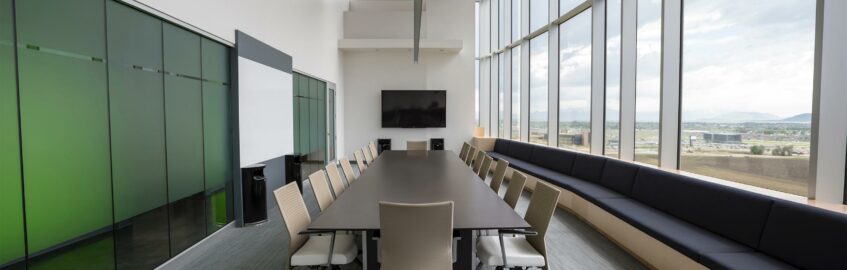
column 229, row 225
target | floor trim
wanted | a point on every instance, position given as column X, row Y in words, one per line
column 229, row 225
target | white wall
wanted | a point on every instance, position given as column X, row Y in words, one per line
column 366, row 74
column 308, row 30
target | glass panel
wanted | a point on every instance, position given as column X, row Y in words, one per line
column 647, row 81
column 501, row 88
column 538, row 14
column 747, row 91
column 575, row 82
column 217, row 150
column 184, row 134
column 613, row 79
column 538, row 95
column 516, row 93
column 517, row 32
column 296, row 89
column 64, row 113
column 138, row 137
column 495, row 29
column 217, row 153
column 304, row 116
column 492, row 95
column 567, row 5
column 476, row 92
column 11, row 201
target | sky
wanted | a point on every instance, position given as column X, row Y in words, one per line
column 738, row 56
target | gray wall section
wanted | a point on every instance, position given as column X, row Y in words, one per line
column 255, row 50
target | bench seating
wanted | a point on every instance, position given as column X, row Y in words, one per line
column 716, row 226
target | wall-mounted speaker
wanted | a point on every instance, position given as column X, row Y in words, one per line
column 383, row 145
column 436, row 144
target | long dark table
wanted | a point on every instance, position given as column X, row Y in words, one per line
column 419, row 177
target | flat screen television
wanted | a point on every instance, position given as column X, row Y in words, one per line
column 414, row 108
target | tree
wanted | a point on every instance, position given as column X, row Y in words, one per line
column 757, row 149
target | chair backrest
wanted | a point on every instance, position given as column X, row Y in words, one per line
column 360, row 161
column 542, row 205
column 416, row 236
column 335, row 178
column 321, row 189
column 499, row 174
column 485, row 167
column 372, row 146
column 368, row 158
column 295, row 215
column 463, row 154
column 516, row 184
column 348, row 170
column 416, row 145
column 471, row 154
column 477, row 160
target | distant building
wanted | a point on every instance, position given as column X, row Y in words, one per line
column 722, row 137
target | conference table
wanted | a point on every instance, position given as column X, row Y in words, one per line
column 419, row 177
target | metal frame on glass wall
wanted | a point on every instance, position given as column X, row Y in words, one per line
column 827, row 163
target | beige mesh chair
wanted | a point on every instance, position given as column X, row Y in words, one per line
column 310, row 249
column 348, row 170
column 372, row 147
column 516, row 184
column 477, row 160
column 360, row 161
column 368, row 158
column 471, row 154
column 335, row 178
column 463, row 154
column 321, row 189
column 523, row 252
column 499, row 174
column 416, row 236
column 485, row 167
column 416, row 145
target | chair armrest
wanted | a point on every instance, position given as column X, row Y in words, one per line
column 484, row 143
column 517, row 231
column 313, row 232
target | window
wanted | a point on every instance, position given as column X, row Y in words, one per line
column 516, row 93
column 495, row 24
column 476, row 64
column 568, row 5
column 747, row 91
column 538, row 61
column 501, row 121
column 575, row 82
column 647, row 81
column 516, row 20
column 538, row 14
column 492, row 96
column 612, row 132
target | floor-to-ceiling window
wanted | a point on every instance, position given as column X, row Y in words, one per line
column 501, row 91
column 517, row 32
column 648, row 81
column 516, row 93
column 612, row 132
column 747, row 91
column 538, row 14
column 538, row 89
column 575, row 82
column 568, row 5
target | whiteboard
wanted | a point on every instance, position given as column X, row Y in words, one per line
column 265, row 112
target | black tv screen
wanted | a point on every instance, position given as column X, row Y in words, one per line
column 414, row 108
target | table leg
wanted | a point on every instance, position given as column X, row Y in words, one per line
column 369, row 254
column 465, row 257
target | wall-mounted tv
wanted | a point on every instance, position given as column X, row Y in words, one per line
column 414, row 108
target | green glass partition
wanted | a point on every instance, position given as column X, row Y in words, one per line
column 115, row 136
column 11, row 201
column 65, row 132
column 184, row 133
column 216, row 137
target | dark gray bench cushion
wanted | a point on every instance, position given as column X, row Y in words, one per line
column 520, row 150
column 501, row 146
column 806, row 237
column 588, row 167
column 554, row 159
column 742, row 261
column 732, row 213
column 619, row 175
column 684, row 237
